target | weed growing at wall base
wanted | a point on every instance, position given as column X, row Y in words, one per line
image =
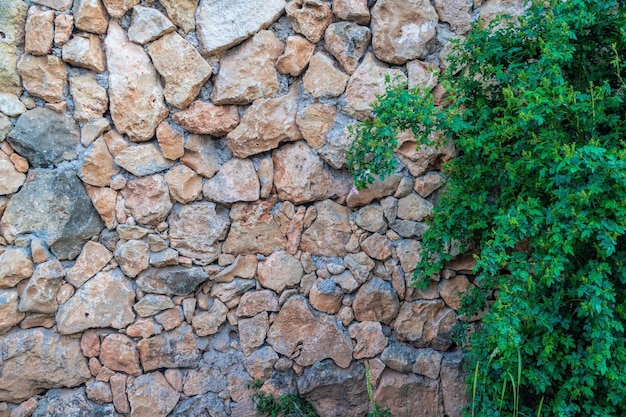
column 537, row 112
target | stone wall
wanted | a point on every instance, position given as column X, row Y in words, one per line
column 177, row 220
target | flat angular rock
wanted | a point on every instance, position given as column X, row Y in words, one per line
column 9, row 313
column 201, row 156
column 71, row 402
column 198, row 404
column 40, row 293
column 182, row 68
column 84, row 50
column 452, row 374
column 252, row 332
column 148, row 199
column 456, row 13
column 370, row 340
column 133, row 257
column 366, row 82
column 151, row 304
column 30, row 366
column 244, row 267
column 142, row 160
column 174, row 349
column 170, row 141
column 148, row 24
column 91, row 260
column 225, row 23
column 402, row 28
column 248, row 72
column 315, row 121
column 413, row 207
column 260, row 363
column 352, row 10
column 63, row 27
column 493, row 8
column 295, row 58
column 171, row 280
column 104, row 199
column 307, row 336
column 182, row 13
column 184, row 184
column 12, row 20
column 408, row 394
column 255, row 302
column 209, row 322
column 43, row 76
column 427, row 323
column 207, row 119
column 253, row 229
column 105, row 300
column 39, row 31
column 151, row 395
column 15, row 266
column 330, row 231
column 323, row 79
column 117, row 8
column 119, row 353
column 347, row 42
column 11, row 105
column 196, row 230
column 309, row 17
column 98, row 167
column 376, row 300
column 279, row 271
column 53, row 202
column 235, row 181
column 135, row 92
column 90, row 16
column 90, row 99
column 12, row 180
column 377, row 190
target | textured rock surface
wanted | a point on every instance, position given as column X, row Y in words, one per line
column 43, row 76
column 208, row 119
column 12, row 20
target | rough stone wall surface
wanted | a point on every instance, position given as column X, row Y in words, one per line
column 176, row 219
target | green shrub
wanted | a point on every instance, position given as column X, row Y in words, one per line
column 537, row 113
column 288, row 405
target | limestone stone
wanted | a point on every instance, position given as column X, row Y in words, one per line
column 346, row 281
column 300, row 176
column 421, row 74
column 30, row 366
column 314, row 123
column 208, row 322
column 352, row 10
column 229, row 291
column 399, row 357
column 90, row 99
column 370, row 340
column 99, row 392
column 12, row 19
column 43, row 76
column 413, row 207
column 323, row 79
column 142, row 160
column 456, row 13
column 135, row 92
column 265, row 124
column 426, row 323
column 119, row 353
column 98, row 168
column 170, row 318
column 198, row 404
column 5, row 126
column 170, row 141
column 151, row 395
column 171, row 280
column 408, row 394
column 39, row 295
column 173, row 349
column 265, row 172
column 71, row 402
column 330, row 231
column 90, row 16
column 280, row 270
column 39, row 31
column 143, row 328
column 295, row 58
column 12, row 180
column 427, row 362
column 225, row 23
column 377, row 190
column 91, row 260
column 261, row 362
column 9, row 314
column 428, row 183
column 148, row 199
column 151, row 304
column 54, row 203
column 247, row 72
column 326, row 296
column 255, row 302
column 133, row 257
column 208, row 119
column 347, row 42
column 402, row 29
column 365, row 83
column 196, row 230
column 420, row 160
column 334, row 391
column 84, row 50
column 181, row 12
column 252, row 332
column 201, row 156
column 371, row 218
column 307, row 336
column 15, row 266
column 90, row 343
column 63, row 27
column 184, row 184
column 377, row 246
column 376, row 300
column 182, row 68
column 452, row 388
column 105, row 300
column 235, row 181
column 452, row 289
column 244, row 266
column 20, row 163
column 409, row 253
column 117, row 8
column 253, row 229
column 148, row 24
column 103, row 199
column 309, row 17
column 118, row 391
column 164, row 258
column 92, row 130
column 494, row 8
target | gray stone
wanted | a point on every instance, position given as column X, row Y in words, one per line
column 44, row 137
column 71, row 403
column 40, row 293
column 399, row 357
column 151, row 395
column 205, row 405
column 174, row 349
column 55, row 205
column 452, row 386
column 171, row 280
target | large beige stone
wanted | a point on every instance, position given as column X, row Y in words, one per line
column 201, row 156
column 323, row 79
column 30, row 366
column 184, row 184
column 370, row 340
column 413, row 207
column 182, row 68
column 252, row 332
column 255, row 302
column 39, row 31
column 326, row 296
column 148, row 24
column 280, row 270
column 225, row 23
column 366, row 82
column 43, row 76
column 98, row 167
column 254, row 229
column 300, row 176
column 148, row 199
column 423, row 158
column 173, row 349
column 84, row 50
column 307, row 337
column 90, row 99
column 60, row 5
column 133, row 257
column 90, row 16
column 248, row 72
column 309, row 17
column 151, row 395
column 208, row 322
column 91, row 260
column 265, row 124
column 347, row 42
column 197, row 229
column 182, row 13
column 330, row 232
column 9, row 313
column 40, row 293
column 15, row 266
column 402, row 28
column 295, row 58
column 208, row 119
column 11, row 105
column 12, row 20
column 421, row 74
column 12, row 180
column 135, row 92
column 235, row 181
column 494, row 8
column 244, row 266
column 378, row 189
